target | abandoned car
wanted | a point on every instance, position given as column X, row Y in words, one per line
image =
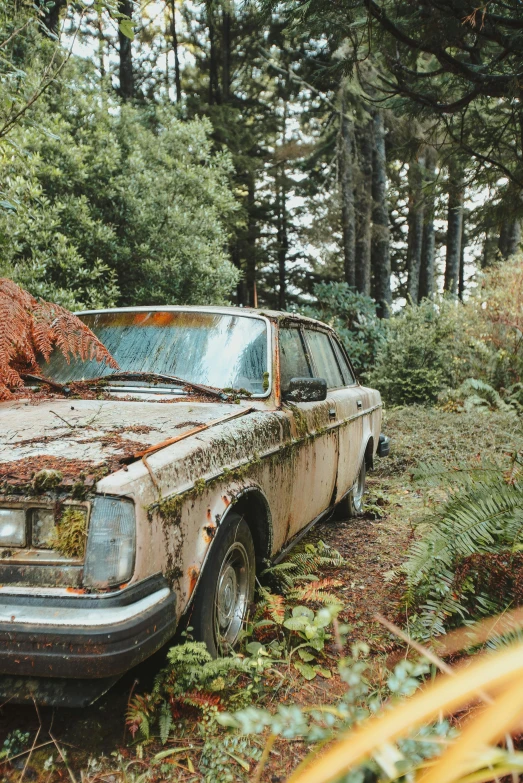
column 133, row 498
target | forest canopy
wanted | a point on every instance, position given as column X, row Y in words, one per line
column 256, row 153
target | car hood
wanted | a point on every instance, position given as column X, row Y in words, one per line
column 90, row 438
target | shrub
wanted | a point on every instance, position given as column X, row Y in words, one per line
column 427, row 348
column 499, row 302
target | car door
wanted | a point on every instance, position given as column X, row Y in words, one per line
column 309, row 473
column 351, row 404
column 344, row 401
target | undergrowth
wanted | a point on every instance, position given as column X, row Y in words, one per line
column 467, row 560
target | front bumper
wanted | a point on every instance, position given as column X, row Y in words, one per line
column 80, row 637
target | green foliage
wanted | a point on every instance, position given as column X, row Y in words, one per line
column 353, row 316
column 14, row 743
column 466, row 562
column 115, row 205
column 427, row 348
column 477, row 395
column 319, row 724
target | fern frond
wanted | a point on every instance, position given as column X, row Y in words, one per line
column 316, row 592
column 466, row 564
column 29, row 327
column 439, row 474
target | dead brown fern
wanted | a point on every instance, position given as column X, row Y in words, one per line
column 29, row 327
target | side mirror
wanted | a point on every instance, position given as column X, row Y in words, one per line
column 306, row 390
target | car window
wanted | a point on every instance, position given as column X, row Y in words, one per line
column 346, row 371
column 293, row 359
column 324, row 358
column 215, row 349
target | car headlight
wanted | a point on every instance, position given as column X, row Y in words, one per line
column 111, row 542
column 12, row 527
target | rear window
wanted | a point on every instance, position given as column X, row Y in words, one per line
column 324, row 358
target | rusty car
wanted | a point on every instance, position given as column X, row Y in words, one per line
column 133, row 499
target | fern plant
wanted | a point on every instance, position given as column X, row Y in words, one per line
column 29, row 327
column 297, row 576
column 467, row 562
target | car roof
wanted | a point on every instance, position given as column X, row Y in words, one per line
column 252, row 312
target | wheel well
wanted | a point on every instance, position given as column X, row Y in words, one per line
column 253, row 506
column 369, row 454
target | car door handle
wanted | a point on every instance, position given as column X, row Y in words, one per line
column 332, row 413
column 359, row 404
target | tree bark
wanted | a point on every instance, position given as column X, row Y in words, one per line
column 250, row 269
column 428, row 240
column 174, row 39
column 214, row 85
column 461, row 283
column 380, row 250
column 51, row 17
column 454, row 228
column 282, row 240
column 347, row 195
column 509, row 238
column 415, row 224
column 364, row 141
column 126, row 56
column 226, row 55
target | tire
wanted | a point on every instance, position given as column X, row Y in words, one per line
column 352, row 504
column 226, row 589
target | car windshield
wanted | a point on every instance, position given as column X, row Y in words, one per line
column 213, row 349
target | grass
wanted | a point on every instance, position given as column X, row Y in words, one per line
column 373, row 546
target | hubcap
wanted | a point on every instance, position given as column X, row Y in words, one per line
column 359, row 489
column 232, row 595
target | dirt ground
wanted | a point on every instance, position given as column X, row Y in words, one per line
column 373, row 545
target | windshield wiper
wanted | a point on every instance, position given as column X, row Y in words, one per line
column 137, row 376
column 41, row 379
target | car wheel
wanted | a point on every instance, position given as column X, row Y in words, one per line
column 352, row 504
column 226, row 588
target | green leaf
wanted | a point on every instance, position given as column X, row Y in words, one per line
column 306, row 671
column 127, row 28
column 303, row 611
column 296, row 623
column 163, row 754
column 305, row 655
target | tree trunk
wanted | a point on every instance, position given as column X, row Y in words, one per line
column 428, row 240
column 454, row 229
column 214, row 85
column 250, row 270
column 126, row 56
column 380, row 250
column 364, row 141
column 51, row 18
column 461, row 283
column 347, row 195
column 509, row 238
column 174, row 38
column 226, row 56
column 415, row 224
column 282, row 240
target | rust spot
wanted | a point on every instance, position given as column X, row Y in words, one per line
column 76, row 590
column 209, row 517
column 193, row 578
column 209, row 532
column 226, row 501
